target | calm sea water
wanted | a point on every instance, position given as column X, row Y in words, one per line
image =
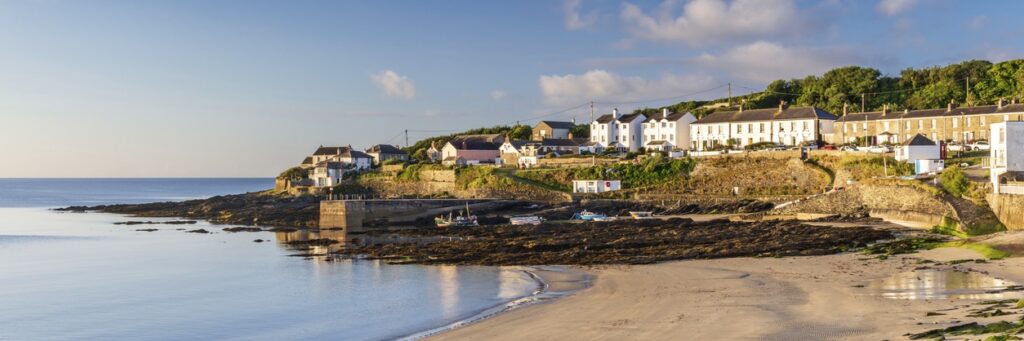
column 79, row 276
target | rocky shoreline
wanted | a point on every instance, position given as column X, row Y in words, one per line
column 257, row 208
column 618, row 242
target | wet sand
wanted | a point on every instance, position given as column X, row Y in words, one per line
column 819, row 297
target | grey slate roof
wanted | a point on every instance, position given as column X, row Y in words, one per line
column 330, row 150
column 790, row 113
column 919, row 140
column 607, row 118
column 675, row 116
column 938, row 112
column 385, row 149
column 559, row 124
column 475, row 142
column 559, row 143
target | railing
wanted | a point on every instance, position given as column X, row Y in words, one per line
column 1011, row 189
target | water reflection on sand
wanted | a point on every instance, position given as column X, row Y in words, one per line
column 945, row 284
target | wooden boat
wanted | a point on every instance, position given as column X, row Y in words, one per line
column 459, row 221
column 526, row 220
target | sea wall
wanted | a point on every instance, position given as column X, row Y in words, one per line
column 1009, row 209
column 357, row 215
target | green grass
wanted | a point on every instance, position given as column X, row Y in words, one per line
column 985, row 250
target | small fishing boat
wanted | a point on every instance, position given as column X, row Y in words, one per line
column 526, row 220
column 590, row 216
column 640, row 215
column 459, row 221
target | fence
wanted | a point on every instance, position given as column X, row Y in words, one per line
column 1011, row 189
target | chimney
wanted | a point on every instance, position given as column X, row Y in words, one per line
column 885, row 110
column 570, row 135
column 1013, row 100
column 664, row 113
column 783, row 105
column 846, row 109
column 1001, row 103
column 741, row 107
column 949, row 107
column 906, row 111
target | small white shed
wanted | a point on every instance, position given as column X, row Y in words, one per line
column 595, row 186
column 918, row 148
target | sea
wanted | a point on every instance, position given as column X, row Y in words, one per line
column 79, row 276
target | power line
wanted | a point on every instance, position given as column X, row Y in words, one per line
column 665, row 98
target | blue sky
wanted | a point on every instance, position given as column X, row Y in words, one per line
column 247, row 88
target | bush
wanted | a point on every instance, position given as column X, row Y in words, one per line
column 862, row 168
column 294, row 174
column 954, row 181
column 650, row 171
column 760, row 146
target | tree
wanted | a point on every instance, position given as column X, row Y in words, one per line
column 521, row 132
column 580, row 131
column 1003, row 81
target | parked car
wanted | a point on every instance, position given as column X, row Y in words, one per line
column 956, row 147
column 980, row 145
column 828, row 147
column 848, row 149
column 880, row 149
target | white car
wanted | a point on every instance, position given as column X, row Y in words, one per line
column 980, row 145
column 956, row 147
column 880, row 149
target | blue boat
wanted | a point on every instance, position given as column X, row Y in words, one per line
column 590, row 216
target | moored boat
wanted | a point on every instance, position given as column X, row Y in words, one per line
column 526, row 220
column 638, row 215
column 590, row 216
column 459, row 221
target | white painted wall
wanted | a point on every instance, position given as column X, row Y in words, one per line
column 595, row 186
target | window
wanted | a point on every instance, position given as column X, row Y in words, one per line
column 955, row 122
column 981, row 120
column 908, row 125
column 663, row 124
column 968, row 124
column 864, row 126
column 886, row 126
column 920, row 124
column 934, row 124
column 672, row 137
column 662, row 136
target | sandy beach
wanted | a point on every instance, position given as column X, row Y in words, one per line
column 820, row 297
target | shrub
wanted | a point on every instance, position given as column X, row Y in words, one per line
column 294, row 173
column 862, row 168
column 954, row 181
column 760, row 146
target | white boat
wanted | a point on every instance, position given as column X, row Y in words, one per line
column 460, row 221
column 638, row 215
column 526, row 220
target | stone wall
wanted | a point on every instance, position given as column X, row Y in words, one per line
column 901, row 203
column 1009, row 208
column 355, row 215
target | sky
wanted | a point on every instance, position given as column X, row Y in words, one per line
column 248, row 88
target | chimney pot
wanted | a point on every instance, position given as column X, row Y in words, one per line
column 949, row 107
column 1001, row 103
column 845, row 108
column 615, row 113
column 664, row 113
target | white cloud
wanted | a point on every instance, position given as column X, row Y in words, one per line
column 498, row 95
column 394, row 85
column 601, row 85
column 714, row 21
column 764, row 62
column 573, row 19
column 894, row 7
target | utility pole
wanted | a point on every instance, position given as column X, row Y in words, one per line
column 967, row 90
column 863, row 103
column 407, row 138
column 730, row 95
column 591, row 111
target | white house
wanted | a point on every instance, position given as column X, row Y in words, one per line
column 328, row 173
column 918, row 148
column 792, row 126
column 621, row 132
column 357, row 159
column 667, row 131
column 595, row 186
column 1007, row 157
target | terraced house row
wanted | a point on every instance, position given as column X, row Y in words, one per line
column 961, row 125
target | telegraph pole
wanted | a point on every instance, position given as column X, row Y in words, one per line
column 730, row 95
column 863, row 103
column 967, row 90
column 407, row 138
column 591, row 111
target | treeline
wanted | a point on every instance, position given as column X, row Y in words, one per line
column 975, row 82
